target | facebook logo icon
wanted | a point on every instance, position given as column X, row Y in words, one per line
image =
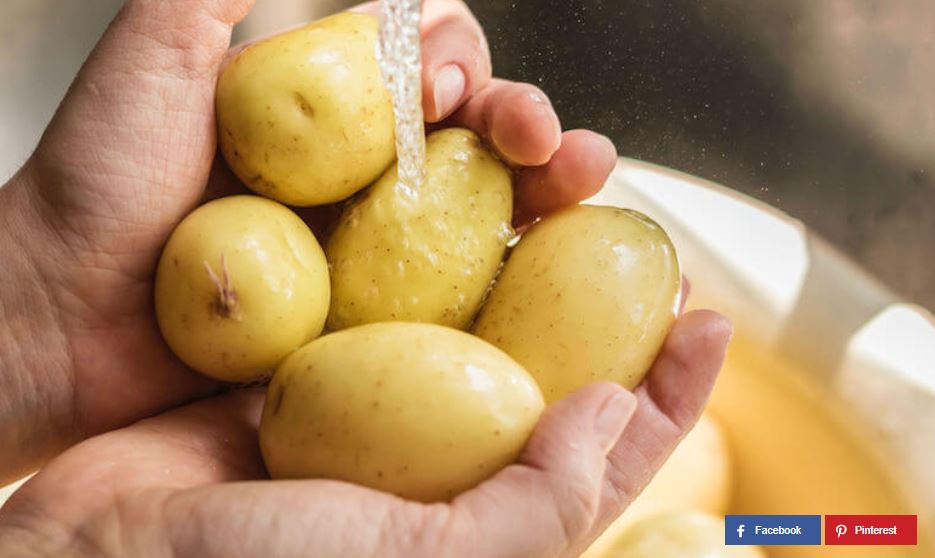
column 772, row 530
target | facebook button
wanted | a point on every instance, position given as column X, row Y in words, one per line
column 772, row 530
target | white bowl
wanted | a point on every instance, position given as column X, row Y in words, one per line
column 829, row 394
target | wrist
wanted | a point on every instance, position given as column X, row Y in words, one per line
column 35, row 377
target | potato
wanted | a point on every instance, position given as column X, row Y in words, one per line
column 241, row 284
column 588, row 294
column 697, row 476
column 304, row 117
column 679, row 535
column 419, row 410
column 429, row 256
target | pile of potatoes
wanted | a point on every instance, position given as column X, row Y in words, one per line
column 406, row 355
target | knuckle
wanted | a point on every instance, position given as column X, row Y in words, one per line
column 186, row 42
column 532, row 91
column 576, row 504
column 413, row 529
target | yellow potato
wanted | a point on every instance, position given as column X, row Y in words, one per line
column 419, row 410
column 304, row 117
column 241, row 284
column 429, row 256
column 679, row 535
column 697, row 476
column 588, row 294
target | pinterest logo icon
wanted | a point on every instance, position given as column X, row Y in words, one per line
column 883, row 530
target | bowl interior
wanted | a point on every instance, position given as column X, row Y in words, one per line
column 802, row 440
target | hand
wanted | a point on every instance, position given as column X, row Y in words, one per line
column 129, row 154
column 183, row 483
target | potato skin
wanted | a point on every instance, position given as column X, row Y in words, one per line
column 304, row 117
column 428, row 258
column 419, row 410
column 588, row 294
column 276, row 272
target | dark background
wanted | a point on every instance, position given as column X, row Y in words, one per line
column 819, row 108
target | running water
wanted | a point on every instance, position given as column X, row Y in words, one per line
column 400, row 57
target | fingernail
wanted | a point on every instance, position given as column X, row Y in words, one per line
column 726, row 327
column 609, row 143
column 613, row 416
column 448, row 90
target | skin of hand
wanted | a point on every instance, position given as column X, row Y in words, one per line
column 184, row 483
column 129, row 153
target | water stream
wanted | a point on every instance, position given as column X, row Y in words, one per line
column 400, row 57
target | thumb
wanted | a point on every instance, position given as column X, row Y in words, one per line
column 134, row 136
column 545, row 504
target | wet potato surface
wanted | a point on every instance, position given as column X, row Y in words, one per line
column 240, row 285
column 418, row 410
column 588, row 294
column 426, row 256
column 304, row 117
column 395, row 397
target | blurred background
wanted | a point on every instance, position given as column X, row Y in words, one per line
column 822, row 108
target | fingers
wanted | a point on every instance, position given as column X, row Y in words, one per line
column 286, row 519
column 455, row 60
column 542, row 506
column 546, row 503
column 682, row 377
column 455, row 56
column 516, row 119
column 671, row 399
column 575, row 172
